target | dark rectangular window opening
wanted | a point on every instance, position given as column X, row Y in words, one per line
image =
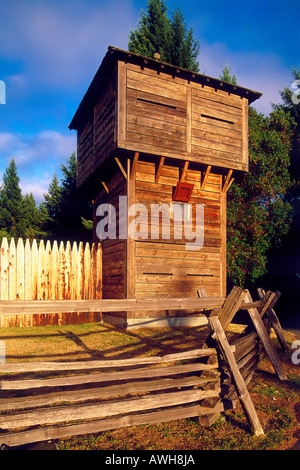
column 202, row 275
column 159, row 274
column 217, row 119
column 158, row 104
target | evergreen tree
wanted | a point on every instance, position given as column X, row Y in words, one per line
column 153, row 33
column 291, row 105
column 33, row 217
column 183, row 48
column 63, row 207
column 50, row 208
column 72, row 204
column 12, row 220
column 171, row 39
column 19, row 215
column 227, row 77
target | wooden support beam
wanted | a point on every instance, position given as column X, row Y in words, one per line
column 183, row 171
column 231, row 306
column 105, row 187
column 266, row 302
column 266, row 341
column 241, row 388
column 274, row 319
column 256, row 304
column 121, row 168
column 134, row 164
column 262, row 305
column 159, row 170
column 207, row 171
column 227, row 182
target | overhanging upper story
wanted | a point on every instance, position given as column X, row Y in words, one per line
column 138, row 104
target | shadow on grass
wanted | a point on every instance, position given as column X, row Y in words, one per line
column 113, row 343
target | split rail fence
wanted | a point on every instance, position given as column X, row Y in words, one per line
column 75, row 398
column 49, row 271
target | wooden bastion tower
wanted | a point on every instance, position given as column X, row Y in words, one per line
column 165, row 139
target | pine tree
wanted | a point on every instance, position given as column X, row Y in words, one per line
column 63, row 207
column 19, row 215
column 183, row 48
column 227, row 77
column 33, row 217
column 153, row 33
column 170, row 38
column 50, row 209
column 11, row 203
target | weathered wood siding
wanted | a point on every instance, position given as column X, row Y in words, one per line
column 164, row 267
column 113, row 250
column 97, row 135
column 163, row 114
column 158, row 265
column 218, row 127
column 156, row 110
column 169, row 116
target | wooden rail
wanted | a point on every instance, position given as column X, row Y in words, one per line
column 133, row 391
column 10, row 307
column 116, row 393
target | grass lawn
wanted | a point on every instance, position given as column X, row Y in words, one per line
column 277, row 403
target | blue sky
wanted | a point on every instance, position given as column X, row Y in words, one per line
column 51, row 49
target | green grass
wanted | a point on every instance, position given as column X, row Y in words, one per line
column 274, row 400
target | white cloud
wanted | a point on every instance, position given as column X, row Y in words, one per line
column 62, row 42
column 260, row 72
column 37, row 186
column 37, row 157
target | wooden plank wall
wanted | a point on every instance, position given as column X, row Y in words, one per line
column 49, row 271
column 97, row 135
column 169, row 116
column 156, row 110
column 113, row 250
column 217, row 127
column 165, row 268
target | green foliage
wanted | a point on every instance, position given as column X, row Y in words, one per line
column 152, row 34
column 59, row 216
column 64, row 207
column 258, row 213
column 156, row 33
column 291, row 107
column 227, row 77
column 50, row 207
column 19, row 215
column 88, row 224
column 183, row 48
column 11, row 202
